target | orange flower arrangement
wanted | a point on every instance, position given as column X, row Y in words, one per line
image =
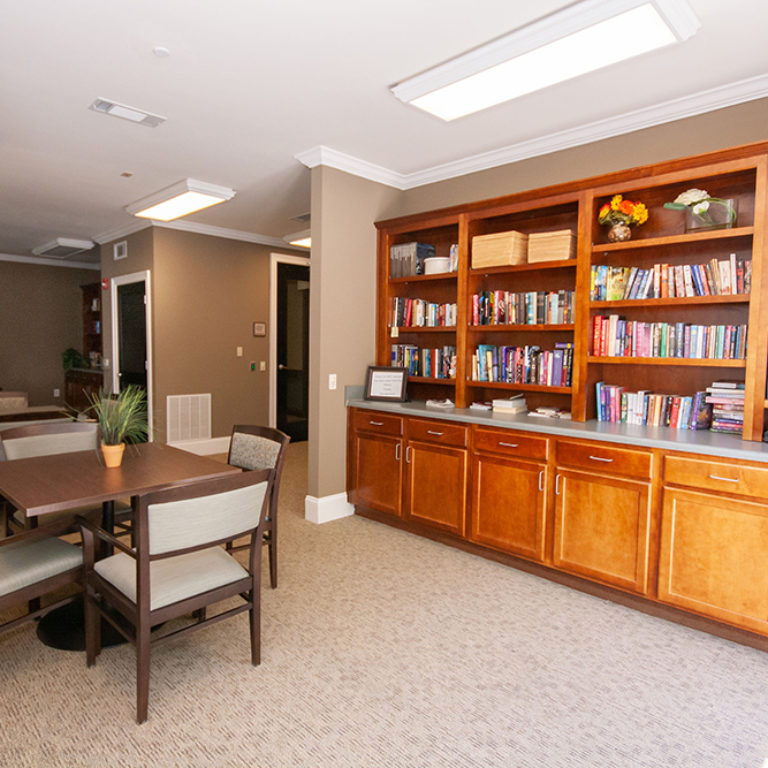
column 621, row 211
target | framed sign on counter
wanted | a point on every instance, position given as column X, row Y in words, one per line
column 384, row 383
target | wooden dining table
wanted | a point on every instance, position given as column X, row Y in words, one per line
column 62, row 482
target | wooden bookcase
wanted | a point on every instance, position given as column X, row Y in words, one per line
column 740, row 173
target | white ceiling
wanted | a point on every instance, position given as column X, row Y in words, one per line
column 250, row 85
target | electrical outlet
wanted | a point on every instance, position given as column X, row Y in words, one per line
column 263, row 365
column 331, row 381
column 57, row 393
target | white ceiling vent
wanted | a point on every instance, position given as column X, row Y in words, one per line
column 63, row 248
column 123, row 111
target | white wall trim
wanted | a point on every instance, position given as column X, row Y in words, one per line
column 50, row 262
column 327, row 508
column 114, row 282
column 204, row 447
column 228, row 234
column 274, row 260
column 668, row 111
column 121, row 232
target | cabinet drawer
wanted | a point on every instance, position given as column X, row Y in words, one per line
column 716, row 476
column 375, row 421
column 508, row 443
column 441, row 432
column 604, row 457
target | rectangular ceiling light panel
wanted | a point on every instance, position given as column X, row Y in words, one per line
column 123, row 111
column 179, row 200
column 581, row 38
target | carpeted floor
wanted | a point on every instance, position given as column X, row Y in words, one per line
column 384, row 649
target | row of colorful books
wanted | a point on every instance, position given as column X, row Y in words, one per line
column 614, row 336
column 721, row 277
column 437, row 363
column 522, row 308
column 719, row 408
column 524, row 365
column 420, row 313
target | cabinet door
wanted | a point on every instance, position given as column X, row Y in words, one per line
column 509, row 505
column 437, row 485
column 601, row 528
column 713, row 557
column 377, row 475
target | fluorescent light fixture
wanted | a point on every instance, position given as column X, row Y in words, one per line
column 301, row 239
column 581, row 38
column 179, row 199
column 63, row 248
column 123, row 111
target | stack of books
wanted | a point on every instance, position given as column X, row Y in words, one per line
column 514, row 404
column 550, row 412
column 727, row 401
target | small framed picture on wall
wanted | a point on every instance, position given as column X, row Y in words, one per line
column 259, row 329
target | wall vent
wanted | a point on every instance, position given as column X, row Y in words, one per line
column 188, row 417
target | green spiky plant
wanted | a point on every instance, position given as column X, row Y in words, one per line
column 122, row 418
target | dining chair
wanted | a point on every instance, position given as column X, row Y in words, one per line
column 256, row 447
column 34, row 440
column 177, row 567
column 33, row 564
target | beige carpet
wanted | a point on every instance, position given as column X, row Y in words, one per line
column 384, row 649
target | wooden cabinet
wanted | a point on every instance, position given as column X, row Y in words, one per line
column 79, row 385
column 509, row 491
column 603, row 518
column 375, row 462
column 714, row 540
column 91, row 311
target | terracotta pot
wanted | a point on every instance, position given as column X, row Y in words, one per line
column 113, row 454
column 619, row 232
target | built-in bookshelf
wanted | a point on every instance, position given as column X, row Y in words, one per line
column 665, row 313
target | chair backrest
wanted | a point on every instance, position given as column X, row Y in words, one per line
column 202, row 513
column 48, row 439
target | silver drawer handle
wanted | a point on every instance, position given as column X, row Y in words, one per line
column 377, row 423
column 407, row 454
column 541, row 480
column 557, row 484
column 600, row 458
column 437, row 434
column 724, row 479
column 397, row 451
column 508, row 445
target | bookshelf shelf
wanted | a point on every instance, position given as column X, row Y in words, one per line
column 521, row 327
column 431, row 380
column 689, row 238
column 423, row 329
column 739, row 298
column 695, row 362
column 442, row 277
column 545, row 265
column 521, row 387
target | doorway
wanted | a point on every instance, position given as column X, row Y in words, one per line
column 131, row 335
column 289, row 406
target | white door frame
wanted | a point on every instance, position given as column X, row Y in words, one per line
column 114, row 283
column 274, row 260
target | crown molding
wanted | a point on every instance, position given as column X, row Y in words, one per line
column 332, row 158
column 117, row 234
column 50, row 262
column 229, row 234
column 668, row 111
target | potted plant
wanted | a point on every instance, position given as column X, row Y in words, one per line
column 121, row 418
column 619, row 215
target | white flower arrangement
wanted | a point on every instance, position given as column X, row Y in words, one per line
column 709, row 211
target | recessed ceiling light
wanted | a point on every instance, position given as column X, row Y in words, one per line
column 161, row 52
column 123, row 111
column 581, row 38
column 179, row 200
column 63, row 248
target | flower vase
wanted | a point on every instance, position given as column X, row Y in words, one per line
column 113, row 454
column 712, row 213
column 619, row 232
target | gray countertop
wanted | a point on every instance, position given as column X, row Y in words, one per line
column 690, row 441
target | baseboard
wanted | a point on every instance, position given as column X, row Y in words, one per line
column 327, row 508
column 204, row 447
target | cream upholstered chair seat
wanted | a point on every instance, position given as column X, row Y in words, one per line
column 176, row 578
column 178, row 566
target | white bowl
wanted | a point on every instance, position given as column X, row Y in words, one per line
column 436, row 264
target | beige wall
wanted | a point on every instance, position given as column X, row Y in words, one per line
column 40, row 317
column 206, row 294
column 342, row 310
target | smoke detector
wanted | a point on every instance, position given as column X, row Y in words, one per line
column 63, row 248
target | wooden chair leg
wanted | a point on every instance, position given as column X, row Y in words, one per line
column 92, row 631
column 272, row 560
column 142, row 673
